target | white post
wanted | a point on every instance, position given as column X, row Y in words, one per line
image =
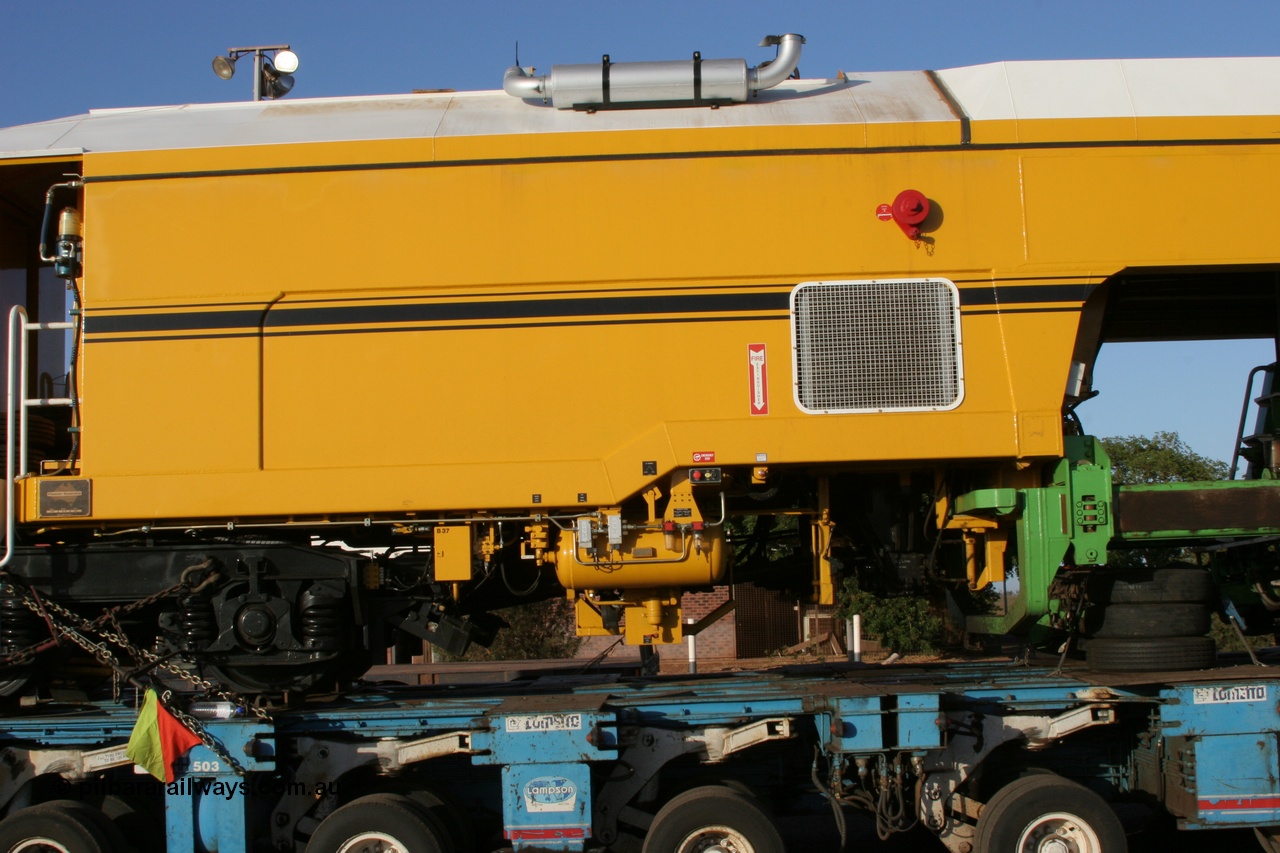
column 691, row 640
column 853, row 637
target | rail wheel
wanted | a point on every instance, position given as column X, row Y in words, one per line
column 713, row 819
column 379, row 823
column 1045, row 814
column 60, row 826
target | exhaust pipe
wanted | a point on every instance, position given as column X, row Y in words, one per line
column 696, row 82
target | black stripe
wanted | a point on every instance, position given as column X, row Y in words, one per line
column 1004, row 294
column 670, row 155
column 290, row 333
column 285, row 318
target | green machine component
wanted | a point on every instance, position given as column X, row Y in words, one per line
column 1068, row 521
column 1078, row 515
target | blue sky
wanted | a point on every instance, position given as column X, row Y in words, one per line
column 60, row 58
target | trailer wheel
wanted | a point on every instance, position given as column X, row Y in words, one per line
column 459, row 831
column 1160, row 654
column 379, row 823
column 138, row 819
column 60, row 826
column 713, row 818
column 1045, row 812
column 1176, row 583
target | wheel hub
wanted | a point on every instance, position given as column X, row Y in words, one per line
column 373, row 842
column 1059, row 833
column 715, row 839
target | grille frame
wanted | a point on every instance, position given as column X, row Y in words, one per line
column 824, row 380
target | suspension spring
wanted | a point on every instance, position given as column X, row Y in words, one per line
column 322, row 623
column 19, row 627
column 198, row 626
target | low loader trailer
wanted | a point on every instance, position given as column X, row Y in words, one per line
column 986, row 756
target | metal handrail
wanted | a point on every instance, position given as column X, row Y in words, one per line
column 1244, row 413
column 17, row 457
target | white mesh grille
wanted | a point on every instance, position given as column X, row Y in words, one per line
column 864, row 346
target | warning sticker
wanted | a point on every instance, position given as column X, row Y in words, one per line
column 757, row 366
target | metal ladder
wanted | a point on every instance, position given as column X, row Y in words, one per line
column 17, row 404
column 1261, row 449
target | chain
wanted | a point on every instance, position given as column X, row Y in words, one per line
column 80, row 631
column 197, row 727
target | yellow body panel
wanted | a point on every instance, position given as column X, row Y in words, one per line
column 455, row 338
column 519, row 370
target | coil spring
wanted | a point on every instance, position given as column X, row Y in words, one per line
column 19, row 627
column 198, row 626
column 322, row 627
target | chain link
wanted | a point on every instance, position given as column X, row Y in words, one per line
column 80, row 631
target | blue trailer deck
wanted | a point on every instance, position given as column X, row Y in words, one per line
column 576, row 763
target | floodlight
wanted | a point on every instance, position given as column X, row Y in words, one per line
column 272, row 78
column 224, row 67
column 286, row 61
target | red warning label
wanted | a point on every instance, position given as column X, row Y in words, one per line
column 757, row 370
column 704, row 457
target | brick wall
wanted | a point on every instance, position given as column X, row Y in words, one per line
column 716, row 642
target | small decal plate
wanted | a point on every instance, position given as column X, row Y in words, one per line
column 544, row 723
column 65, row 498
column 550, row 794
column 1227, row 695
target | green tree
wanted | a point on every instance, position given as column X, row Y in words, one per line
column 542, row 629
column 1160, row 458
column 904, row 623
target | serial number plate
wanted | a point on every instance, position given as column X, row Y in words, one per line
column 544, row 723
column 1223, row 695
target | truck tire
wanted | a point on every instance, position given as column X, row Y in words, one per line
column 712, row 817
column 1161, row 654
column 1032, row 812
column 65, row 826
column 139, row 819
column 1181, row 582
column 448, row 816
column 1136, row 621
column 392, row 822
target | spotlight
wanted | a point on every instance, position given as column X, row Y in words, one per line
column 272, row 78
column 224, row 67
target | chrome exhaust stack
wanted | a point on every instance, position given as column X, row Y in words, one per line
column 695, row 82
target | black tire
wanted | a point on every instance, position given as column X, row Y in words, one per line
column 379, row 817
column 712, row 816
column 1139, row 621
column 138, row 819
column 448, row 816
column 1042, row 807
column 1164, row 654
column 1178, row 583
column 66, row 824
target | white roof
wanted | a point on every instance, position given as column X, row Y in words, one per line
column 1118, row 88
column 1007, row 90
